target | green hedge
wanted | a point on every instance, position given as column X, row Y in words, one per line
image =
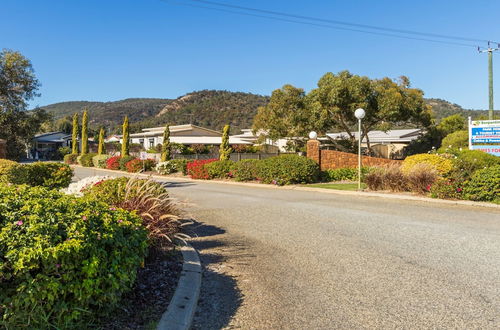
column 100, row 160
column 245, row 170
column 219, row 169
column 71, row 159
column 63, row 258
column 288, row 169
column 50, row 175
column 344, row 174
column 484, row 185
column 86, row 160
column 123, row 162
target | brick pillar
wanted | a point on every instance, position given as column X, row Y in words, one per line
column 313, row 151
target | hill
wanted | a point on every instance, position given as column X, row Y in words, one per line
column 208, row 108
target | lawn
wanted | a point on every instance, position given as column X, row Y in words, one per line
column 338, row 186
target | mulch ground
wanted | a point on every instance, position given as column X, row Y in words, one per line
column 143, row 307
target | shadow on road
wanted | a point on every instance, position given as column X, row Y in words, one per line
column 220, row 297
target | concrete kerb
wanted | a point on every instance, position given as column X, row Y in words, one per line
column 312, row 189
column 180, row 312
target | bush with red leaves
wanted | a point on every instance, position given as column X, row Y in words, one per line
column 134, row 166
column 196, row 169
column 113, row 163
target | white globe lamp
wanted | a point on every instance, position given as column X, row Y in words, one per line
column 313, row 135
column 360, row 113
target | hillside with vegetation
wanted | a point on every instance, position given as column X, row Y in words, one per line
column 208, row 108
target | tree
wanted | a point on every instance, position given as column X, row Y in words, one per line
column 286, row 115
column 126, row 138
column 74, row 136
column 385, row 102
column 18, row 85
column 455, row 140
column 452, row 124
column 100, row 149
column 225, row 150
column 85, row 132
column 165, row 148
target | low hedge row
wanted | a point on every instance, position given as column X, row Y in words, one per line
column 45, row 174
column 63, row 258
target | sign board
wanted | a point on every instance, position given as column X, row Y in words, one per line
column 484, row 135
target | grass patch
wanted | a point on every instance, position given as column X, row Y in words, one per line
column 338, row 186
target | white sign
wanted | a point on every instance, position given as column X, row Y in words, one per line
column 484, row 135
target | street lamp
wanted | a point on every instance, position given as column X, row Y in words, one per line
column 360, row 114
column 313, row 135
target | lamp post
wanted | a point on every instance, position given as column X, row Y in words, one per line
column 360, row 114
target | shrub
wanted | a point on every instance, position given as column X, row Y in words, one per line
column 387, row 178
column 100, row 160
column 446, row 189
column 149, row 199
column 113, row 163
column 484, row 185
column 50, row 175
column 63, row 257
column 220, row 169
column 344, row 174
column 63, row 151
column 180, row 165
column 441, row 164
column 149, row 164
column 454, row 141
column 123, row 162
column 245, row 170
column 166, row 167
column 196, row 169
column 71, row 159
column 134, row 166
column 86, row 160
column 288, row 169
column 421, row 178
column 5, row 165
column 469, row 161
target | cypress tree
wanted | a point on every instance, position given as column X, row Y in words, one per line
column 165, row 148
column 85, row 141
column 126, row 137
column 74, row 137
column 100, row 149
column 225, row 150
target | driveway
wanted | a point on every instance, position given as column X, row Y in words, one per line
column 284, row 259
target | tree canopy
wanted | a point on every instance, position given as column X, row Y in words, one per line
column 331, row 106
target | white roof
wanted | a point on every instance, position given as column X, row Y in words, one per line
column 206, row 140
column 396, row 135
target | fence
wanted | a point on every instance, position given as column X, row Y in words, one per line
column 235, row 156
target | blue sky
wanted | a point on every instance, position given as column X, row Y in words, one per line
column 110, row 50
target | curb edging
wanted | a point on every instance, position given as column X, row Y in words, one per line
column 180, row 312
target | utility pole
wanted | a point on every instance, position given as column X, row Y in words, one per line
column 490, row 51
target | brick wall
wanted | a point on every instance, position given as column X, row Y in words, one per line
column 3, row 147
column 331, row 159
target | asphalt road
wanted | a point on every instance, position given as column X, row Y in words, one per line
column 284, row 259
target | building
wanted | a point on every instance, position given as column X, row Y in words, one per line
column 385, row 144
column 183, row 134
column 273, row 145
column 112, row 138
column 46, row 145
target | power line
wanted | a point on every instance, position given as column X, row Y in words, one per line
column 321, row 25
column 310, row 18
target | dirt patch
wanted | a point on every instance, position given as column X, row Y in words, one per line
column 143, row 307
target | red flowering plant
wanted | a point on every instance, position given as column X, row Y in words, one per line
column 134, row 166
column 447, row 189
column 196, row 168
column 113, row 163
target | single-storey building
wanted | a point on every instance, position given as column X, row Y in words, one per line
column 46, row 144
column 183, row 134
column 385, row 144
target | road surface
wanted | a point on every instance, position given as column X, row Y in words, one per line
column 284, row 259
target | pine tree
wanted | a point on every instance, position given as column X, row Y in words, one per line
column 126, row 137
column 165, row 148
column 74, row 137
column 85, row 140
column 101, row 149
column 225, row 150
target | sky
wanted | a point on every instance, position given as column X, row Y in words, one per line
column 109, row 50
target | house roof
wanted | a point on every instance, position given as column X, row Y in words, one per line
column 208, row 140
column 179, row 128
column 52, row 137
column 397, row 135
